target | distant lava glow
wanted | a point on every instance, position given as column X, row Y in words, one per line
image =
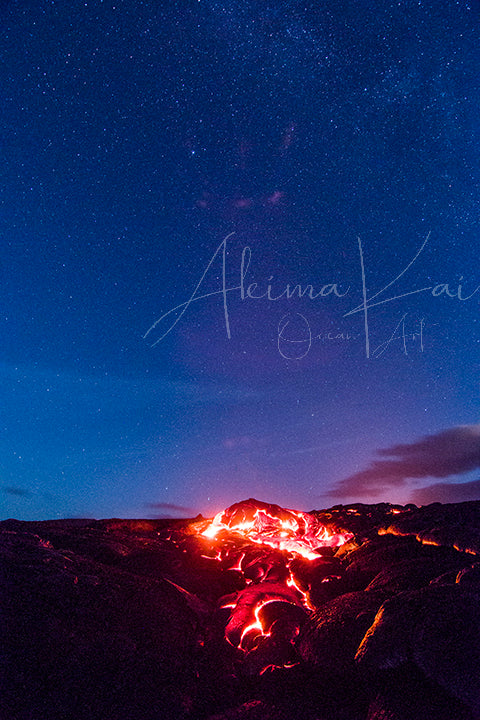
column 289, row 530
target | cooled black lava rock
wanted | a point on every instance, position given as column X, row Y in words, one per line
column 330, row 638
column 405, row 694
column 469, row 577
column 456, row 525
column 123, row 620
column 377, row 555
column 84, row 640
column 253, row 710
column 414, row 574
column 437, row 629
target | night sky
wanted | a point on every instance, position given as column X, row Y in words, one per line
column 194, row 198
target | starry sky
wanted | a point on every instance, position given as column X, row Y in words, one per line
column 239, row 255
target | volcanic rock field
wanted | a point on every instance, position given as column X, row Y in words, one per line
column 359, row 612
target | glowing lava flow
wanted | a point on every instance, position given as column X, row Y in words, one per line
column 296, row 532
column 274, row 601
column 257, row 625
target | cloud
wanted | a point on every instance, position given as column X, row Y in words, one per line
column 170, row 507
column 450, row 452
column 17, row 491
column 447, row 493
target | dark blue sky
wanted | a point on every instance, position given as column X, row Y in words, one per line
column 329, row 145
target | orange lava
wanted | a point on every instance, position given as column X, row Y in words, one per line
column 296, row 532
column 269, row 577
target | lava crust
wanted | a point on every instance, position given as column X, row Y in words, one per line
column 365, row 612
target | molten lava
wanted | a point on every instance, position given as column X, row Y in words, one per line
column 274, row 601
column 296, row 532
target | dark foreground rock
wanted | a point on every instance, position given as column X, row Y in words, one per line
column 147, row 620
column 82, row 639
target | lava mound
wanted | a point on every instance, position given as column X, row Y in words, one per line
column 365, row 612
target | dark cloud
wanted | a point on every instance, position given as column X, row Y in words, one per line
column 450, row 452
column 447, row 493
column 17, row 491
column 165, row 508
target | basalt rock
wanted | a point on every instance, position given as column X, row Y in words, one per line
column 414, row 574
column 254, row 710
column 330, row 639
column 437, row 629
column 406, row 695
column 456, row 525
column 149, row 619
column 81, row 639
